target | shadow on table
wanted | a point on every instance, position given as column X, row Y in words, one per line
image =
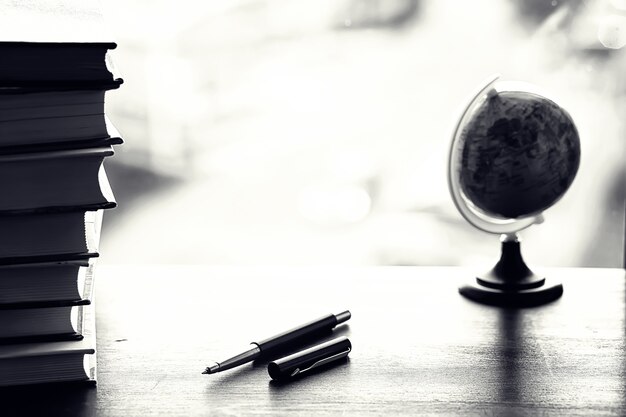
column 72, row 399
column 132, row 183
column 510, row 353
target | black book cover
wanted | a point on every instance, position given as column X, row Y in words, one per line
column 61, row 42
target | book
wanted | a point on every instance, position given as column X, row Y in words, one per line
column 52, row 361
column 45, row 281
column 110, row 139
column 51, row 180
column 49, row 236
column 62, row 42
column 56, row 67
column 42, row 321
column 46, row 320
column 34, row 116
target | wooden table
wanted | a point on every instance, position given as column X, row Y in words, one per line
column 419, row 348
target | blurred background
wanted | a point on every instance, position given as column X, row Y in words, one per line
column 317, row 132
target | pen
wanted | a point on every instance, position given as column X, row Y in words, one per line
column 302, row 362
column 279, row 341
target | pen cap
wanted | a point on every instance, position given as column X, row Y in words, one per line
column 308, row 359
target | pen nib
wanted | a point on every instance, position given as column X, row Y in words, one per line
column 212, row 369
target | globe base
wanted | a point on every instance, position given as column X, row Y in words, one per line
column 511, row 283
column 506, row 298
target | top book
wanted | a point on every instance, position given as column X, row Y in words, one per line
column 62, row 42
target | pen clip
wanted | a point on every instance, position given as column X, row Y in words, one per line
column 321, row 362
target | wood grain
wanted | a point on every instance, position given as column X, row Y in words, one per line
column 418, row 347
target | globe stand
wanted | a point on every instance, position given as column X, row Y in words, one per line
column 510, row 283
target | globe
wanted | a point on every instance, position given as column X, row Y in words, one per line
column 515, row 153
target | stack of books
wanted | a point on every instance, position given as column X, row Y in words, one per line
column 54, row 137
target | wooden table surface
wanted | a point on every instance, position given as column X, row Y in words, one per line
column 419, row 348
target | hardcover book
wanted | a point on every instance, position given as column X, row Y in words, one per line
column 52, row 361
column 45, row 281
column 32, row 116
column 46, row 320
column 111, row 138
column 60, row 42
column 53, row 236
column 52, row 180
column 60, row 320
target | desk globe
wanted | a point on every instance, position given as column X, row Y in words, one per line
column 514, row 154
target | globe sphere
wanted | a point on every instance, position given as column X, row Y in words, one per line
column 519, row 152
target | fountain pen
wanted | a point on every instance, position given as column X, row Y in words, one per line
column 281, row 341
